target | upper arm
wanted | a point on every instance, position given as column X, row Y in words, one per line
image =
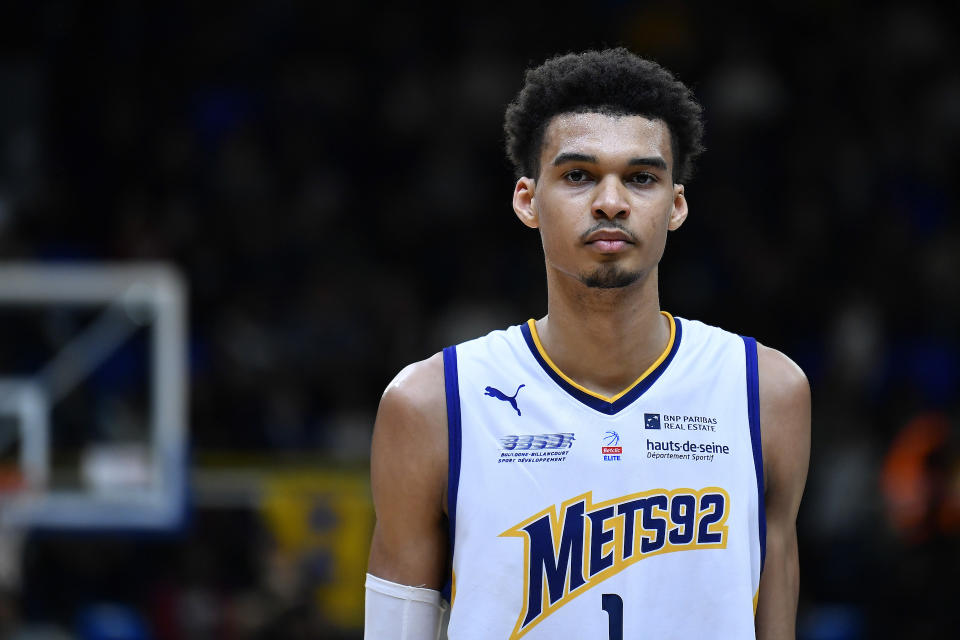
column 408, row 469
column 785, row 429
column 785, row 433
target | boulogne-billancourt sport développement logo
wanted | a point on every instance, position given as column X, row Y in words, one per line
column 540, row 447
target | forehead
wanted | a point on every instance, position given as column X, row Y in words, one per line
column 606, row 136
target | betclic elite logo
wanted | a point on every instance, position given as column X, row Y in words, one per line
column 610, row 449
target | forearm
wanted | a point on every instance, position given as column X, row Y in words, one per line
column 779, row 587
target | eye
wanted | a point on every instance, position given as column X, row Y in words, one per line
column 576, row 176
column 642, row 178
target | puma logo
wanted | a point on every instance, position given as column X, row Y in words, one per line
column 500, row 395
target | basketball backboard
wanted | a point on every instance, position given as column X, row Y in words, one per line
column 93, row 396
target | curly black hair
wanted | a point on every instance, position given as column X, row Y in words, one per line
column 612, row 81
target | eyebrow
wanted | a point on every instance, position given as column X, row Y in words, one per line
column 654, row 161
column 573, row 157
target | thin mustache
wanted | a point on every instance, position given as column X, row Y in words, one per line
column 607, row 225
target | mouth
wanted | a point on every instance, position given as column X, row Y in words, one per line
column 609, row 240
column 608, row 246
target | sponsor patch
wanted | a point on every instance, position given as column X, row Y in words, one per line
column 544, row 447
column 686, row 450
column 610, row 450
column 671, row 422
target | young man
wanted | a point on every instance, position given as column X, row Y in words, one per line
column 606, row 471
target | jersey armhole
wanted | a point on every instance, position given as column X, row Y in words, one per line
column 451, row 385
column 753, row 411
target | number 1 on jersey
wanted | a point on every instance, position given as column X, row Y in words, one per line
column 613, row 605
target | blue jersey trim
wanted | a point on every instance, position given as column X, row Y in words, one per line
column 753, row 410
column 452, row 388
column 598, row 404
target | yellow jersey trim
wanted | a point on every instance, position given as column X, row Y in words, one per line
column 531, row 323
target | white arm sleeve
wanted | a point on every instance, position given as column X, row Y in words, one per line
column 398, row 612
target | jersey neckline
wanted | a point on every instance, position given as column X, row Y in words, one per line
column 604, row 404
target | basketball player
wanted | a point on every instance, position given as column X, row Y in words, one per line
column 609, row 470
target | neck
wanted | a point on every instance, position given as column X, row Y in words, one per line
column 604, row 339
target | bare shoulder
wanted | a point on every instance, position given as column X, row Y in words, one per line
column 410, row 434
column 783, row 385
column 414, row 402
column 784, row 419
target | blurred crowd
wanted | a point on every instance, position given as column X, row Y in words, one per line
column 330, row 179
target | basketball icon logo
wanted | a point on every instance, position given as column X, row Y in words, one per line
column 609, row 449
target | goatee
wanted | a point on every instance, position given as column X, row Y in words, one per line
column 609, row 277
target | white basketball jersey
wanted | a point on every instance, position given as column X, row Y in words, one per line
column 575, row 515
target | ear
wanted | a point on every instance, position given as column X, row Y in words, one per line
column 523, row 202
column 678, row 213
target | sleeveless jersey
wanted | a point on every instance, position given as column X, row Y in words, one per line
column 576, row 515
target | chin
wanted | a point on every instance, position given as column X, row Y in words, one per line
column 609, row 277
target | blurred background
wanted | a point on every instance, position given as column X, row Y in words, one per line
column 324, row 187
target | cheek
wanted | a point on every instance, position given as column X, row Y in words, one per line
column 555, row 226
column 558, row 241
column 663, row 220
column 549, row 240
column 652, row 224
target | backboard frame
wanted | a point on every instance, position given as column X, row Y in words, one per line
column 153, row 295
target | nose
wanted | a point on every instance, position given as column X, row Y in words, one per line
column 610, row 201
